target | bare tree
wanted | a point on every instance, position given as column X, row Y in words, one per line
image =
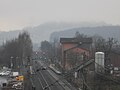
column 18, row 47
column 25, row 44
column 80, row 36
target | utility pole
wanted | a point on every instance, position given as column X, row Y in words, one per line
column 84, row 79
column 64, row 61
column 11, row 62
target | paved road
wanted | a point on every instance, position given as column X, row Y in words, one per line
column 42, row 80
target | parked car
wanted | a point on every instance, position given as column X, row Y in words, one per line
column 2, row 73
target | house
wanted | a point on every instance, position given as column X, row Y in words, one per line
column 114, row 59
column 75, row 51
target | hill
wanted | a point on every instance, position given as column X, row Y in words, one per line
column 104, row 31
column 48, row 31
column 43, row 31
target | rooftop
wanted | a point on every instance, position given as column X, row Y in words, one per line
column 76, row 40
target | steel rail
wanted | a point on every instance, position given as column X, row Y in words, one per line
column 47, row 85
column 38, row 75
column 42, row 79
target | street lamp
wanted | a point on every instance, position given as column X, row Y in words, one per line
column 17, row 63
column 11, row 62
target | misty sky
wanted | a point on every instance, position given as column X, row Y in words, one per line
column 16, row 14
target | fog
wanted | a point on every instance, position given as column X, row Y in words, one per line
column 17, row 14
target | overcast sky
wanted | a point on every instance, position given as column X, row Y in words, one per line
column 16, row 14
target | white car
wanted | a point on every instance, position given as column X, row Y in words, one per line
column 7, row 72
column 44, row 68
column 2, row 73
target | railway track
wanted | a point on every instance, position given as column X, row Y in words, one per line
column 42, row 81
column 47, row 81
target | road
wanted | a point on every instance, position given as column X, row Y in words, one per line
column 43, row 80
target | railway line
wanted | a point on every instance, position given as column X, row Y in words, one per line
column 46, row 79
column 41, row 83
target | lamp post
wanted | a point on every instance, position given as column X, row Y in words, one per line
column 17, row 64
column 11, row 62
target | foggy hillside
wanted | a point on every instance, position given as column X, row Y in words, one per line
column 104, row 31
column 43, row 31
